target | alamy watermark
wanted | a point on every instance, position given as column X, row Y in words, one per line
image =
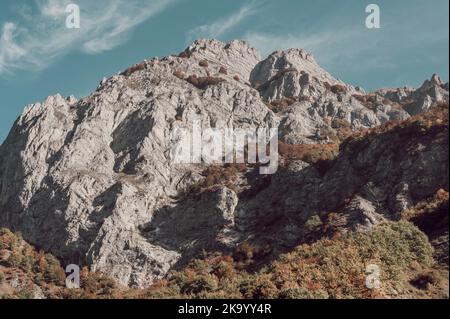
column 373, row 276
column 373, row 20
column 73, row 20
column 226, row 146
column 73, row 277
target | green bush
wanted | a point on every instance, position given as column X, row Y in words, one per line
column 201, row 283
column 14, row 260
column 8, row 240
column 54, row 272
column 259, row 287
column 302, row 293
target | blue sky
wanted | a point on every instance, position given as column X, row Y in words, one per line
column 39, row 56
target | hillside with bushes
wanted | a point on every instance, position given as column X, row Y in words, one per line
column 361, row 184
column 410, row 251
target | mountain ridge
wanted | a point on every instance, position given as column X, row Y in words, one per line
column 75, row 175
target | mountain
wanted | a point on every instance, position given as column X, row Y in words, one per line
column 93, row 181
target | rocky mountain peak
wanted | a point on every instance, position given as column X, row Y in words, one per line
column 236, row 55
column 93, row 181
column 290, row 61
column 295, row 73
column 436, row 79
column 431, row 92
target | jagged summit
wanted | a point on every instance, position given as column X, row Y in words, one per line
column 236, row 55
column 294, row 59
column 217, row 46
column 435, row 79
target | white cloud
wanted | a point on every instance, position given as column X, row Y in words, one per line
column 352, row 46
column 349, row 48
column 224, row 25
column 41, row 36
column 52, row 8
column 9, row 50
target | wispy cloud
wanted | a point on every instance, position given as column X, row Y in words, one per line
column 346, row 46
column 224, row 25
column 350, row 47
column 328, row 46
column 40, row 36
column 10, row 52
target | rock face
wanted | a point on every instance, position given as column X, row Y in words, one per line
column 93, row 181
column 372, row 179
column 427, row 95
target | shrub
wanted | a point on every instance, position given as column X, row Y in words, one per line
column 133, row 84
column 203, row 63
column 224, row 268
column 281, row 104
column 424, row 280
column 302, row 293
column 310, row 153
column 203, row 82
column 313, row 224
column 25, row 293
column 226, row 175
column 133, row 69
column 184, row 55
column 27, row 261
column 14, row 260
column 199, row 284
column 327, row 268
column 179, row 74
column 370, row 101
column 54, row 272
column 38, row 279
column 428, row 206
column 338, row 267
column 8, row 240
column 96, row 284
column 338, row 89
column 435, row 118
column 223, row 70
column 343, row 128
column 259, row 287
